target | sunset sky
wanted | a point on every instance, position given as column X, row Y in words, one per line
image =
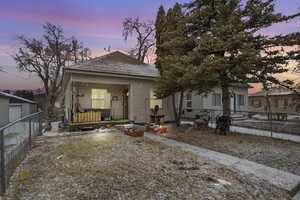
column 98, row 23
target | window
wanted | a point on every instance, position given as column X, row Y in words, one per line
column 98, row 98
column 154, row 101
column 258, row 103
column 216, row 99
column 285, row 103
column 241, row 100
column 188, row 100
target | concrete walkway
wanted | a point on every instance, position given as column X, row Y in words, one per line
column 251, row 131
column 283, row 136
column 281, row 179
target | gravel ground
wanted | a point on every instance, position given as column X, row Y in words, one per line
column 115, row 166
column 276, row 153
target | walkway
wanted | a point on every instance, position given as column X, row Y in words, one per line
column 281, row 179
column 251, row 131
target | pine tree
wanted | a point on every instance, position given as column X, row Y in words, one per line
column 173, row 46
column 159, row 28
column 229, row 45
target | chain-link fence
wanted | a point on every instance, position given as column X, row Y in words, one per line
column 15, row 141
column 280, row 122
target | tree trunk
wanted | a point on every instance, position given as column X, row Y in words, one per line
column 180, row 108
column 226, row 101
column 177, row 113
column 174, row 107
column 47, row 113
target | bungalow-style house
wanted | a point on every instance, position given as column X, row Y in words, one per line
column 115, row 86
column 193, row 102
column 281, row 100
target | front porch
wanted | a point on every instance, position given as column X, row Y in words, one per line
column 94, row 103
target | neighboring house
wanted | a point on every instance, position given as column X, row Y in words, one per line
column 281, row 100
column 4, row 109
column 115, row 86
column 194, row 103
column 19, row 107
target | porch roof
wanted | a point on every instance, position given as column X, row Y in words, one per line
column 117, row 63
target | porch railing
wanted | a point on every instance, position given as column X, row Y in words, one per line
column 87, row 117
column 15, row 141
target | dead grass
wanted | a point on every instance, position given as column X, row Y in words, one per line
column 276, row 153
column 115, row 166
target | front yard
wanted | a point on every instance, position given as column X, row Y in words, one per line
column 115, row 166
column 276, row 153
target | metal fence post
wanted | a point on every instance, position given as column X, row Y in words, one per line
column 3, row 177
column 30, row 133
column 40, row 124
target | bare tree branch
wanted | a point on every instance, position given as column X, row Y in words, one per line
column 47, row 58
column 144, row 33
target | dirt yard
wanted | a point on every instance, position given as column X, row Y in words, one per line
column 115, row 166
column 280, row 154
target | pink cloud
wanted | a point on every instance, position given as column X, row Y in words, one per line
column 86, row 21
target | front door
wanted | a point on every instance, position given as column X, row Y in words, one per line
column 116, row 108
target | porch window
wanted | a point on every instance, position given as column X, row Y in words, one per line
column 216, row 99
column 154, row 100
column 98, row 98
column 188, row 100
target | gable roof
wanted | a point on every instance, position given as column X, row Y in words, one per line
column 116, row 63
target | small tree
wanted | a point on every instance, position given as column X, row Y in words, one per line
column 47, row 58
column 144, row 33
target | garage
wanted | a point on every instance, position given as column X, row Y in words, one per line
column 15, row 112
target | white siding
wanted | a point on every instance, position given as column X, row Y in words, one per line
column 15, row 112
column 205, row 101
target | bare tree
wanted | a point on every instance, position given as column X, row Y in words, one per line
column 144, row 33
column 47, row 58
column 79, row 52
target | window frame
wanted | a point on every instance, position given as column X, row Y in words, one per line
column 98, row 99
column 188, row 99
column 241, row 97
column 216, row 102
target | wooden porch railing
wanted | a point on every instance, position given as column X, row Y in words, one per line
column 87, row 117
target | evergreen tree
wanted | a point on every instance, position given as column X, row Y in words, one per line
column 173, row 46
column 159, row 28
column 229, row 45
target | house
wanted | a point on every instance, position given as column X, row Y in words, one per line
column 18, row 107
column 116, row 86
column 281, row 100
column 4, row 107
column 212, row 101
